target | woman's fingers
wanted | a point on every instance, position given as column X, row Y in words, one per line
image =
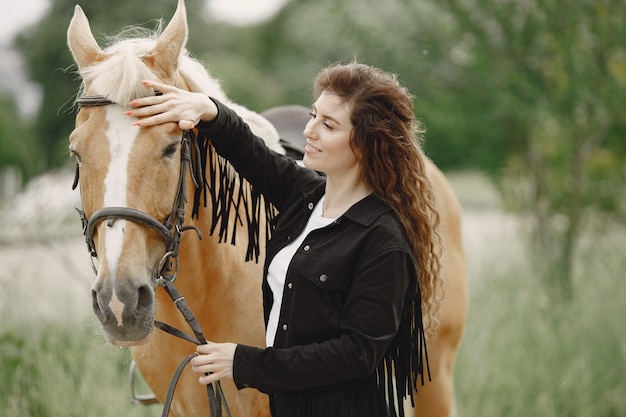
column 206, row 369
column 158, row 86
column 151, row 121
column 173, row 105
column 204, row 349
column 214, row 361
column 155, row 111
column 209, row 379
column 186, row 124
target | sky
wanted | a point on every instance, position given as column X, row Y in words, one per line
column 15, row 15
column 244, row 11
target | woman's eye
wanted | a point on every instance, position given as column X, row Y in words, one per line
column 326, row 124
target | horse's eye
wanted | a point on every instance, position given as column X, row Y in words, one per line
column 170, row 150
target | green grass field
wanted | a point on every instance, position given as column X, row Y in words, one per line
column 523, row 353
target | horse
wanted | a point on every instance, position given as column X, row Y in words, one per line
column 134, row 185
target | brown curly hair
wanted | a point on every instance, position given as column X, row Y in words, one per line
column 387, row 138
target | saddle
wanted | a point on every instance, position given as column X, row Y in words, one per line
column 290, row 121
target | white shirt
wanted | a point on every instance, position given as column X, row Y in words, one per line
column 277, row 270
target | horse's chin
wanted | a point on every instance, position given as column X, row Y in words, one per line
column 129, row 343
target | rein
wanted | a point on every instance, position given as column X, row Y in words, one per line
column 171, row 231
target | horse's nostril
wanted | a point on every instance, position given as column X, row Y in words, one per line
column 95, row 304
column 144, row 297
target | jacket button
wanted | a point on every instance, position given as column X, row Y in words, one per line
column 307, row 247
column 284, row 327
column 323, row 277
column 310, row 206
column 290, row 285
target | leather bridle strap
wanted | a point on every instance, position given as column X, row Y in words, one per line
column 93, row 101
column 216, row 396
column 127, row 213
column 170, row 230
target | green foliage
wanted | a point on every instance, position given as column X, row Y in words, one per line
column 16, row 140
column 556, row 80
column 282, row 56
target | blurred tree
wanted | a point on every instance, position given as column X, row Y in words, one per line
column 16, row 140
column 556, row 77
column 279, row 58
column 273, row 63
column 50, row 64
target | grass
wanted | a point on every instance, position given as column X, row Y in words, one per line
column 523, row 353
column 51, row 369
column 527, row 354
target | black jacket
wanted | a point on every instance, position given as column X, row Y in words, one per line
column 347, row 290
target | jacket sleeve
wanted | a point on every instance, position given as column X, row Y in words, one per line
column 369, row 321
column 274, row 175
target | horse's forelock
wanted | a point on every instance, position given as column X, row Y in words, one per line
column 119, row 77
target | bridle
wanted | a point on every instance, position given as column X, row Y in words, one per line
column 171, row 231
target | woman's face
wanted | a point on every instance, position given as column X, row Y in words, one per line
column 328, row 137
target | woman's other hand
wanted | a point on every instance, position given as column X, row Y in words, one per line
column 214, row 361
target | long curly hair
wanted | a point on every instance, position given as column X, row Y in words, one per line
column 387, row 139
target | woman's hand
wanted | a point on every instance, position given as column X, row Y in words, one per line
column 173, row 105
column 216, row 360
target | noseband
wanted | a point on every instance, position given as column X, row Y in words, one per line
column 172, row 228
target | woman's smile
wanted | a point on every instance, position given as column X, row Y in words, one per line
column 310, row 148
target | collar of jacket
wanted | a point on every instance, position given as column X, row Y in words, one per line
column 364, row 212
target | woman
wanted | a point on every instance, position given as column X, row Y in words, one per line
column 353, row 261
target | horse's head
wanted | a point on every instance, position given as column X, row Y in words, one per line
column 129, row 177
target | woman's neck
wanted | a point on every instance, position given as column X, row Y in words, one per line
column 341, row 195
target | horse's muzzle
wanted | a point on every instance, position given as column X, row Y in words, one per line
column 125, row 311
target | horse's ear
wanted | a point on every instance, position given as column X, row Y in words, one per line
column 83, row 45
column 171, row 43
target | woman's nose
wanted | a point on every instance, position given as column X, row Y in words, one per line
column 308, row 129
